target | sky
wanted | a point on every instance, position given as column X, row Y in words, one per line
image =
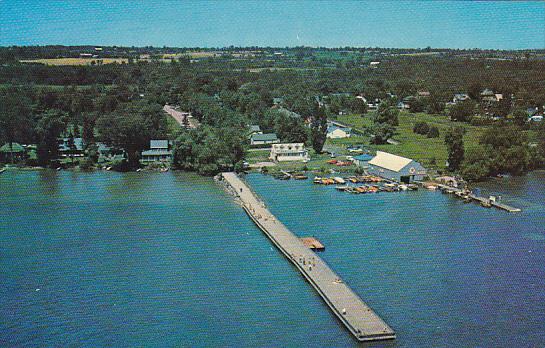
column 400, row 24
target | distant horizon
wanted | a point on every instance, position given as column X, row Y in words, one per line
column 483, row 25
column 282, row 47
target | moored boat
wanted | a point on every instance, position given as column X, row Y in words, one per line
column 339, row 180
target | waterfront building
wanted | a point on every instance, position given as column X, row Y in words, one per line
column 263, row 139
column 12, row 153
column 66, row 150
column 396, row 168
column 289, row 152
column 159, row 151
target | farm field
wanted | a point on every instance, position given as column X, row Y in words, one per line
column 75, row 61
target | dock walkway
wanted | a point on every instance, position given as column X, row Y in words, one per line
column 481, row 199
column 359, row 318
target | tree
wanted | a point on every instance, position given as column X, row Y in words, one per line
column 455, row 147
column 463, row 111
column 131, row 128
column 417, row 105
column 50, row 126
column 387, row 114
column 520, row 117
column 433, row 132
column 381, row 133
column 421, row 128
column 318, row 129
column 15, row 123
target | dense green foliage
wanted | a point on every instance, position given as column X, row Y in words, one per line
column 455, row 147
column 119, row 104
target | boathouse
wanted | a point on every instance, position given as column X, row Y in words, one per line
column 397, row 168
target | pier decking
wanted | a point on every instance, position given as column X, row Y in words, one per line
column 480, row 199
column 359, row 318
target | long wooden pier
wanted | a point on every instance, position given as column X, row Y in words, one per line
column 359, row 318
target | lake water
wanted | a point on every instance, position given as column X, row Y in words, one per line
column 155, row 259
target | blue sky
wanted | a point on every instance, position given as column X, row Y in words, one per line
column 448, row 24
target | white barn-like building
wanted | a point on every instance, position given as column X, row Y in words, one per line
column 397, row 168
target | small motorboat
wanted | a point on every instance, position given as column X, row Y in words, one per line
column 339, row 180
column 2, row 170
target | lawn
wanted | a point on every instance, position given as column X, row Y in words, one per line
column 411, row 145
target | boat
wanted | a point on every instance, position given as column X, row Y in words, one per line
column 362, row 189
column 339, row 180
column 403, row 187
column 317, row 180
column 486, row 204
column 300, row 177
column 412, row 187
column 341, row 188
column 2, row 170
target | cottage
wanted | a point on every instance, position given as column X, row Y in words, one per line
column 336, row 132
column 13, row 152
column 263, row 139
column 159, row 151
column 289, row 152
column 396, row 168
column 363, row 160
column 71, row 150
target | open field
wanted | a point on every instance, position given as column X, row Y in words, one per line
column 75, row 61
column 411, row 145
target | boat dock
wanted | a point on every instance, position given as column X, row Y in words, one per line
column 358, row 317
column 482, row 200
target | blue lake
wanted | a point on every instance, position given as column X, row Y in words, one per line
column 155, row 259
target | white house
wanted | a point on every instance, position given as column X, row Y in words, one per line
column 289, row 152
column 335, row 132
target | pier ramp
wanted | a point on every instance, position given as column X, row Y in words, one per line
column 358, row 317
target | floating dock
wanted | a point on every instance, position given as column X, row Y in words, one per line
column 358, row 317
column 313, row 243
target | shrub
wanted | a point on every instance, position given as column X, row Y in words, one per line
column 433, row 132
column 421, row 128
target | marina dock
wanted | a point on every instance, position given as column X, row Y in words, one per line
column 480, row 199
column 358, row 317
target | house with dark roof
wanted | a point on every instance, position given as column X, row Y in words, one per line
column 159, row 151
column 263, row 139
column 66, row 150
column 13, row 152
column 362, row 160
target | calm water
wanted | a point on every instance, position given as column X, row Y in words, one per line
column 151, row 259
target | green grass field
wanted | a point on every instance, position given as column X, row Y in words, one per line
column 411, row 145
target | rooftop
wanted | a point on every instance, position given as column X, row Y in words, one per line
column 264, row 137
column 389, row 161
